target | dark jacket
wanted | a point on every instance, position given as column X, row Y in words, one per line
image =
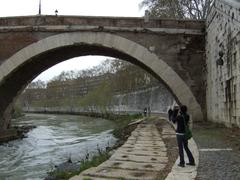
column 179, row 119
column 170, row 113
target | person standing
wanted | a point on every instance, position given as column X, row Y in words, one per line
column 182, row 119
column 145, row 112
column 170, row 113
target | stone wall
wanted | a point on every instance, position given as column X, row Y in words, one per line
column 157, row 98
column 223, row 63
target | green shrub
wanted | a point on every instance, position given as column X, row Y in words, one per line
column 17, row 112
column 94, row 162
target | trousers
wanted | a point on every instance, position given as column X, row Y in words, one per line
column 183, row 143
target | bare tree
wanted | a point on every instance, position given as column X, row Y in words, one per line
column 37, row 85
column 183, row 9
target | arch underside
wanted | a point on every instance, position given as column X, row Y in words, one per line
column 20, row 69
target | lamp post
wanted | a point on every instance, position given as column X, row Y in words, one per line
column 39, row 9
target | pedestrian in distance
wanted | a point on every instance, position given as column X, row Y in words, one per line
column 181, row 117
column 170, row 113
column 145, row 112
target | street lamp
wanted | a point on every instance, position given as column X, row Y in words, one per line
column 39, row 9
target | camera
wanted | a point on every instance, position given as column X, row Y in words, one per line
column 175, row 110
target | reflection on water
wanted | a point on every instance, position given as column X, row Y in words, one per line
column 56, row 138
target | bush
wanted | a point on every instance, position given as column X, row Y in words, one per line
column 17, row 112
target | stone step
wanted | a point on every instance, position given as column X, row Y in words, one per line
column 82, row 177
column 133, row 165
column 159, row 143
column 121, row 174
column 160, row 149
column 145, row 133
column 169, row 136
column 135, row 158
column 143, row 138
column 141, row 152
column 129, row 145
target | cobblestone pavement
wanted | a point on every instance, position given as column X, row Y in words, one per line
column 142, row 157
column 219, row 158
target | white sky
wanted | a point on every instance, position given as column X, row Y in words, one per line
column 127, row 8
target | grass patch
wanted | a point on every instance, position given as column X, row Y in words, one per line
column 61, row 175
column 122, row 131
column 84, row 164
column 16, row 112
column 94, row 162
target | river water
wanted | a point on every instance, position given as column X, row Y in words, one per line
column 56, row 138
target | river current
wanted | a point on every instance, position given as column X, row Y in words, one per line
column 56, row 138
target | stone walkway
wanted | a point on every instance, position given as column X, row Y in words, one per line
column 141, row 158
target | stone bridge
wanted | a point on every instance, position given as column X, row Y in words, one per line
column 171, row 50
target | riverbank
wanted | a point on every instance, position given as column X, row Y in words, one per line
column 104, row 115
column 126, row 124
column 16, row 132
column 20, row 132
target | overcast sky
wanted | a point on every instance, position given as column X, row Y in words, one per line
column 127, row 8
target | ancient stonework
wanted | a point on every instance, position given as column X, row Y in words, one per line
column 171, row 50
column 223, row 63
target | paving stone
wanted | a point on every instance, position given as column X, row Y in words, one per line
column 143, row 138
column 122, row 173
column 135, row 158
column 145, row 148
column 82, row 177
column 142, row 153
column 169, row 136
column 151, row 143
column 133, row 165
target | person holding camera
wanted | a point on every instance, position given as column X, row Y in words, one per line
column 181, row 117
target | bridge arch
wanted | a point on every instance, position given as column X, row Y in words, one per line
column 21, row 68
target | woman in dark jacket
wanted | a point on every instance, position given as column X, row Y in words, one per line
column 182, row 118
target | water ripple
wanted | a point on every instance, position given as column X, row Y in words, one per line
column 56, row 138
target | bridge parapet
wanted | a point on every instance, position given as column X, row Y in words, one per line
column 100, row 23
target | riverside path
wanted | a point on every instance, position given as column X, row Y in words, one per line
column 144, row 156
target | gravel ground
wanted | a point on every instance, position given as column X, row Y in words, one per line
column 172, row 150
column 220, row 164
